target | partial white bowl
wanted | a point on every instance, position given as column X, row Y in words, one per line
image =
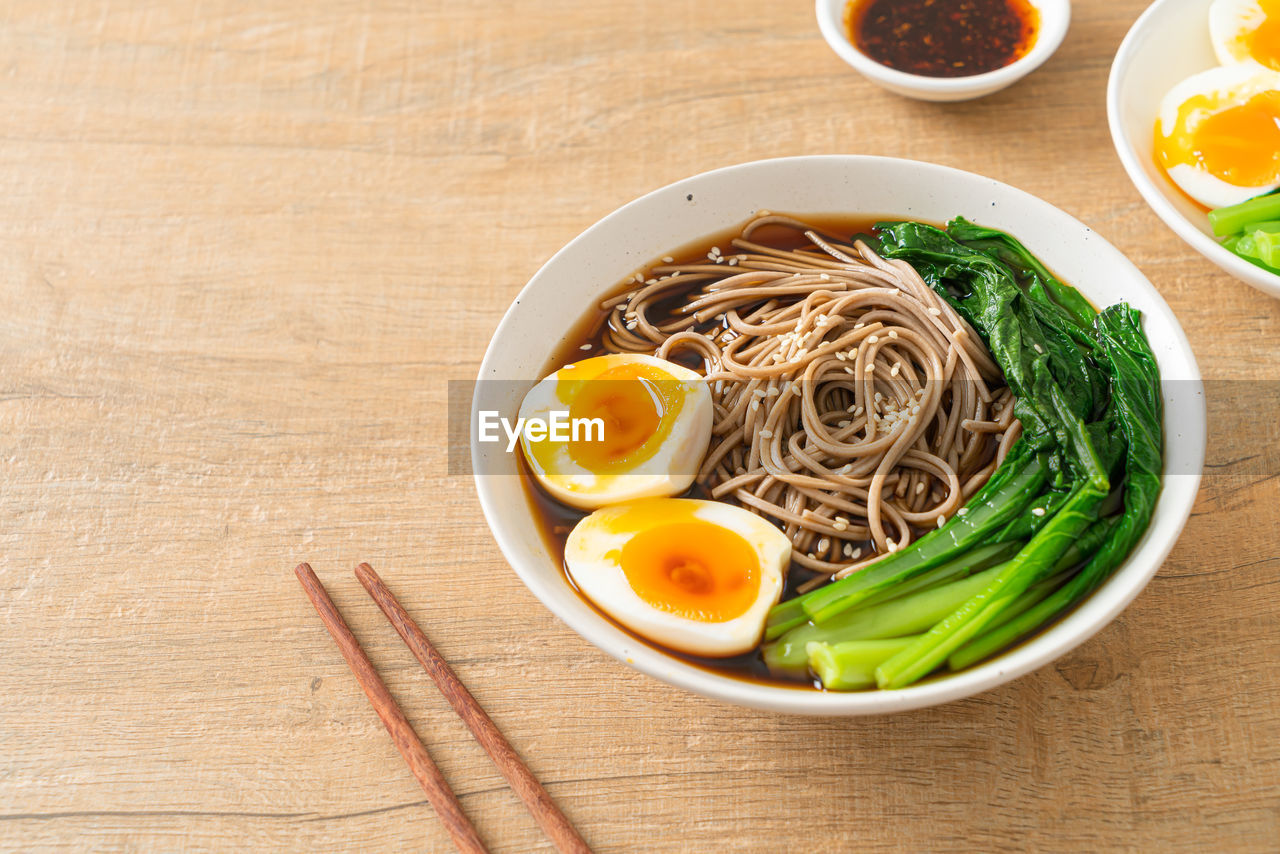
column 573, row 281
column 1055, row 15
column 1168, row 43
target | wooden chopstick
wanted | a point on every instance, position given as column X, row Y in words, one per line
column 406, row 740
column 544, row 810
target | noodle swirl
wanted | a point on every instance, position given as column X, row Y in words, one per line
column 853, row 405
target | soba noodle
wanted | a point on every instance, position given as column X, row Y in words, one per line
column 852, row 404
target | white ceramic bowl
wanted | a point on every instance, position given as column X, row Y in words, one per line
column 1168, row 43
column 572, row 282
column 1055, row 15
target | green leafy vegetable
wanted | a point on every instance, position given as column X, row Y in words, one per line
column 1252, row 230
column 1233, row 218
column 1087, row 391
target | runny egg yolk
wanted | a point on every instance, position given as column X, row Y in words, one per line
column 1239, row 144
column 637, row 404
column 692, row 568
column 1263, row 42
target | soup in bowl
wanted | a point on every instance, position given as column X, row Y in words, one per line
column 752, row 302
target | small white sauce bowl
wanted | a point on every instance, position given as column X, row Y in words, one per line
column 1168, row 43
column 1055, row 15
column 586, row 269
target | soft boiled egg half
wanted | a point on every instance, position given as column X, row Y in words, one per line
column 1246, row 31
column 637, row 427
column 695, row 576
column 1217, row 135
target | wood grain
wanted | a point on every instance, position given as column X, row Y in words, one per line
column 563, row 835
column 245, row 245
column 439, row 795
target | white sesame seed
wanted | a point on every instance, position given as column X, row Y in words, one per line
column 676, row 273
column 893, row 333
column 843, row 424
column 841, row 526
column 873, row 339
column 935, row 311
column 585, row 347
column 962, row 511
column 632, row 324
column 766, row 434
column 1037, row 511
column 774, row 392
column 858, row 411
column 855, row 554
column 842, row 356
column 755, row 404
column 893, row 372
column 733, row 262
column 919, row 488
column 759, row 392
column 942, row 520
column 871, row 366
column 893, row 547
column 651, row 281
column 1039, row 349
column 823, row 544
column 848, row 370
column 667, row 259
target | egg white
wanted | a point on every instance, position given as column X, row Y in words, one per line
column 592, row 555
column 1229, row 21
column 669, row 471
column 1233, row 84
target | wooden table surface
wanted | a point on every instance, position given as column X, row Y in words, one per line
column 244, row 246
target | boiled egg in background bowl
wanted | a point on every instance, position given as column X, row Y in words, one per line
column 652, row 424
column 695, row 576
column 1218, row 134
column 1168, row 43
column 1246, row 31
